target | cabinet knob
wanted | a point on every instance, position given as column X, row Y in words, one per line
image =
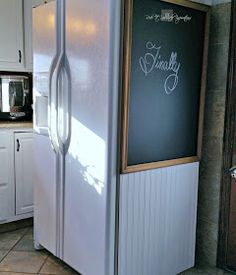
column 17, row 145
column 20, row 56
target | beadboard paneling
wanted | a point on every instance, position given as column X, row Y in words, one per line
column 157, row 229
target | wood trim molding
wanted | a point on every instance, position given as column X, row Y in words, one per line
column 203, row 83
column 126, row 81
column 159, row 164
column 189, row 4
column 230, row 120
column 127, row 45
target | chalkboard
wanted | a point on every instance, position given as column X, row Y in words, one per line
column 165, row 52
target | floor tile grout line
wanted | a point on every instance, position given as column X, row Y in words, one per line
column 8, row 251
column 44, row 262
column 18, row 241
column 40, row 269
column 11, row 249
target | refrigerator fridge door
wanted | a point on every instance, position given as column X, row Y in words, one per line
column 45, row 53
column 91, row 32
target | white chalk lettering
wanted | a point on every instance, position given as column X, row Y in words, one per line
column 152, row 60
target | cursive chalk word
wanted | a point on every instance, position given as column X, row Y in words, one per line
column 168, row 17
column 152, row 60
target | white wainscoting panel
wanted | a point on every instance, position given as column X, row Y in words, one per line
column 157, row 220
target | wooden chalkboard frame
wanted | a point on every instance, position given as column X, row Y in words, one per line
column 128, row 16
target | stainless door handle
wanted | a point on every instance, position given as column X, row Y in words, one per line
column 64, row 107
column 53, row 93
column 63, row 80
column 52, row 103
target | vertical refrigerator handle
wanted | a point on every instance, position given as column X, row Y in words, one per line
column 53, row 89
column 63, row 89
column 59, row 111
column 64, row 107
column 51, row 107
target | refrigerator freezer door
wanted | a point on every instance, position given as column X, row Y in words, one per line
column 44, row 55
column 44, row 194
column 44, row 46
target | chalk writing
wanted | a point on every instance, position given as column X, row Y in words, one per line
column 168, row 17
column 152, row 60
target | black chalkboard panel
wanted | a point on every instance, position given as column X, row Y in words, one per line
column 165, row 51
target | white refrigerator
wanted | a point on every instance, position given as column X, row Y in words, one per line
column 86, row 213
column 76, row 71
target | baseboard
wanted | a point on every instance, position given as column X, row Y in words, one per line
column 11, row 226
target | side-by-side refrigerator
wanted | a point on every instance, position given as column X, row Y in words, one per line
column 76, row 71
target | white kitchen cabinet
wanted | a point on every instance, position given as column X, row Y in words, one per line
column 6, row 176
column 11, row 35
column 16, row 176
column 16, row 49
column 24, row 172
column 28, row 6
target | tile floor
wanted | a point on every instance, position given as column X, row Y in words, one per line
column 205, row 271
column 18, row 257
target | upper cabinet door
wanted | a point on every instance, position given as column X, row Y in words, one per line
column 11, row 35
column 28, row 6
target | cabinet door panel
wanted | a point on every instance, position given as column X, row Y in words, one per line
column 6, row 176
column 28, row 6
column 11, row 33
column 24, row 172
